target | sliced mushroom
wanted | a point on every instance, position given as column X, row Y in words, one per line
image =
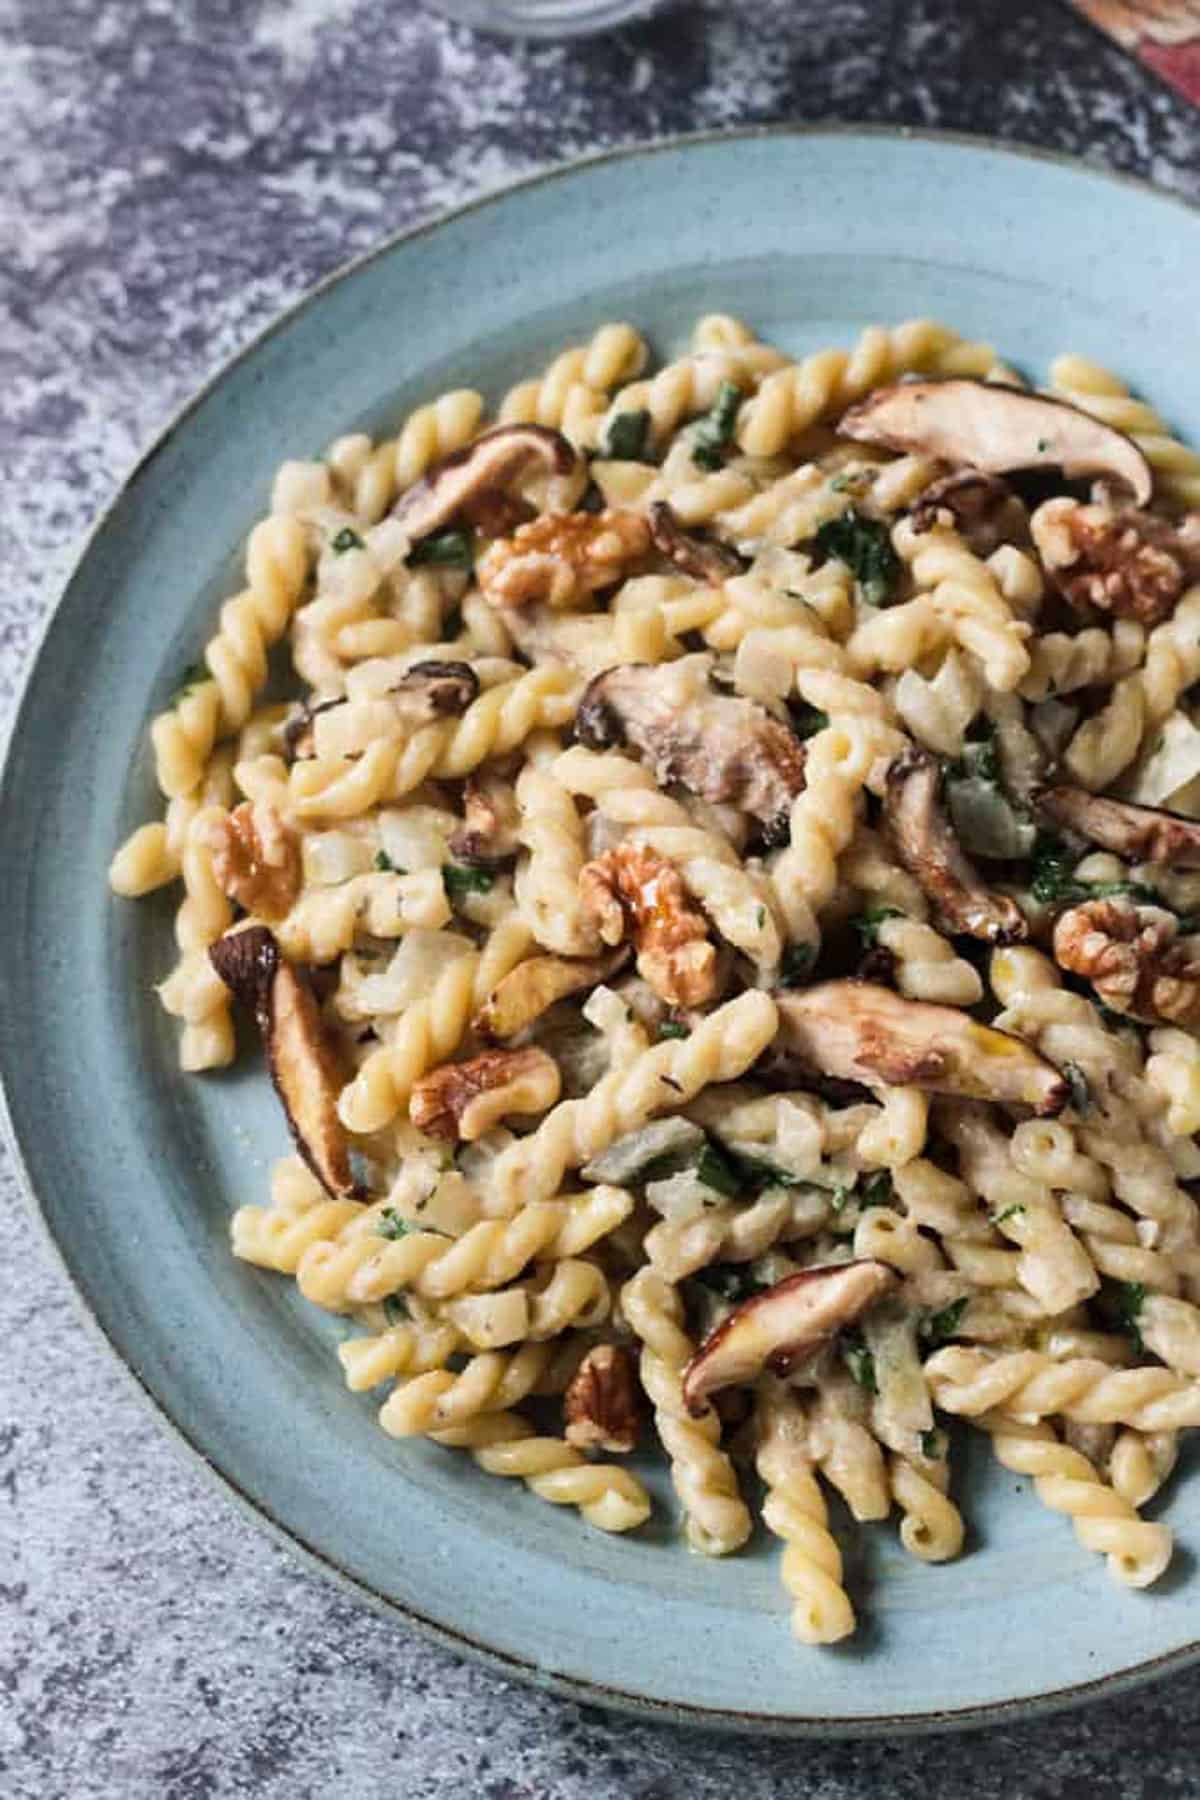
column 855, row 1031
column 491, row 463
column 702, row 558
column 439, row 689
column 299, row 740
column 488, row 836
column 303, row 1067
column 925, row 843
column 997, row 429
column 778, row 1328
column 465, row 1099
column 1139, row 833
column 721, row 747
column 535, row 985
column 982, row 507
column 631, row 1156
column 423, row 694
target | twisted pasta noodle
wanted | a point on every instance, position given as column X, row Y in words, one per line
column 932, row 1527
column 895, row 1131
column 277, row 564
column 676, row 1248
column 277, row 1239
column 823, row 820
column 1140, row 1462
column 868, row 868
column 662, row 1079
column 325, row 921
column 342, row 787
column 427, row 434
column 152, row 855
column 404, row 1349
column 1063, row 662
column 690, row 385
column 926, row 966
column 611, row 1498
column 627, row 794
column 794, row 1509
column 193, row 991
column 898, row 637
column 358, row 1266
column 547, row 881
column 716, row 1520
column 490, row 1382
column 964, row 591
column 430, row 1030
column 1032, row 1385
column 800, row 618
column 1089, row 386
column 824, row 384
column 1104, row 745
column 1136, row 1552
column 938, row 711
column 846, row 1449
column 570, row 393
column 1173, row 1071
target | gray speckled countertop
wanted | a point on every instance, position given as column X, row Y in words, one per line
column 175, row 172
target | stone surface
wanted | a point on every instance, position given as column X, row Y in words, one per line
column 175, row 172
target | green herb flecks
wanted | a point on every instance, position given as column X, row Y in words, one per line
column 865, row 546
column 625, row 439
column 1081, row 1092
column 717, row 1172
column 980, row 759
column 1130, row 1298
column 460, row 881
column 672, row 1028
column 714, row 432
column 732, row 1281
column 384, row 863
column 807, row 720
column 860, row 1362
column 877, row 1189
column 867, row 923
column 450, row 549
column 1054, row 882
column 346, row 539
column 1006, row 1212
column 192, row 676
column 840, row 1197
column 395, row 1309
column 391, row 1225
column 939, row 1327
column 933, row 1444
column 796, row 965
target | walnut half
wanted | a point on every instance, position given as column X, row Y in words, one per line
column 1132, row 958
column 601, row 1408
column 465, row 1099
column 256, row 859
column 635, row 889
column 563, row 557
column 1131, row 564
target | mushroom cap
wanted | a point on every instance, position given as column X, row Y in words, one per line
column 1142, row 833
column 777, row 1328
column 494, row 460
column 926, row 844
column 997, row 429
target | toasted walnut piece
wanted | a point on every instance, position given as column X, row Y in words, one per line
column 302, row 1063
column 635, row 889
column 463, row 1100
column 1131, row 564
column 925, row 843
column 535, row 985
column 601, row 1407
column 1132, row 958
column 776, row 1329
column 256, row 859
column 721, row 747
column 488, row 836
column 563, row 557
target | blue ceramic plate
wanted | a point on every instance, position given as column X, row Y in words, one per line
column 136, row 1168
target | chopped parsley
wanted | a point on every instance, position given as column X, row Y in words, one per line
column 1129, row 1300
column 933, row 1444
column 877, row 1189
column 672, row 1028
column 807, row 720
column 391, row 1225
column 980, row 759
column 840, row 1195
column 938, row 1327
column 395, row 1309
column 1006, row 1212
column 625, row 439
column 449, row 549
column 460, row 881
column 1054, row 881
column 732, row 1281
column 1081, row 1093
column 714, row 432
column 797, row 963
column 865, row 546
column 860, row 1362
column 867, row 923
column 761, row 917
column 346, row 539
column 715, row 1171
column 192, row 676
column 384, row 863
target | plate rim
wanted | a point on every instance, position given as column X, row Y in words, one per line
column 224, row 1480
